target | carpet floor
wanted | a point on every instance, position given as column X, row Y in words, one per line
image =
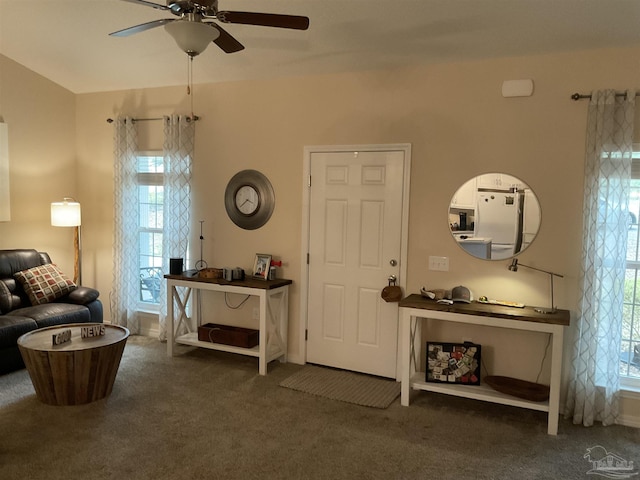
column 209, row 415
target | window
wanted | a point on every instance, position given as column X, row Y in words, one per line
column 630, row 339
column 150, row 170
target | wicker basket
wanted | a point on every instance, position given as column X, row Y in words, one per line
column 210, row 273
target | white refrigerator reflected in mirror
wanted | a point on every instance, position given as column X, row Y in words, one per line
column 494, row 216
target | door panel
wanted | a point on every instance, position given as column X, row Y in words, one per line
column 335, row 233
column 369, row 317
column 333, row 313
column 355, row 231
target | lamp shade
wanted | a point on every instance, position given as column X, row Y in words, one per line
column 192, row 37
column 66, row 213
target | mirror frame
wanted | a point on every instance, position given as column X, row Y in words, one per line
column 508, row 194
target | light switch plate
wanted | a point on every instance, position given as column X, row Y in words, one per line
column 440, row 264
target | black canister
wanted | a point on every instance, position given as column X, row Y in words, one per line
column 463, row 220
column 238, row 273
column 175, row 266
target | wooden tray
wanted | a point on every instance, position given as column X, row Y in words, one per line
column 518, row 388
column 228, row 335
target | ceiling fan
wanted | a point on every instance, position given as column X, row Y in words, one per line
column 195, row 29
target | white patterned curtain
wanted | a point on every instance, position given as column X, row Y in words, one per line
column 126, row 280
column 179, row 133
column 595, row 382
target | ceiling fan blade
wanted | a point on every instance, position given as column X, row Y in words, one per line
column 226, row 41
column 148, row 4
column 142, row 27
column 265, row 19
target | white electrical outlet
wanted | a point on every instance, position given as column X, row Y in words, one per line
column 256, row 313
column 440, row 264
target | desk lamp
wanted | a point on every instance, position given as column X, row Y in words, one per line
column 514, row 268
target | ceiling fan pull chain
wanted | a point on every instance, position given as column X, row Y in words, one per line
column 190, row 87
column 189, row 73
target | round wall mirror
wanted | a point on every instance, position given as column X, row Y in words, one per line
column 494, row 216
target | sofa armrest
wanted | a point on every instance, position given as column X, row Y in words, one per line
column 80, row 296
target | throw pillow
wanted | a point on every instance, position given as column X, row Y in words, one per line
column 44, row 284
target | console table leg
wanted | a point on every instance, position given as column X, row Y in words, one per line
column 406, row 357
column 554, row 382
column 276, row 345
column 264, row 335
column 282, row 321
column 169, row 320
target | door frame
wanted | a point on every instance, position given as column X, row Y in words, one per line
column 306, row 204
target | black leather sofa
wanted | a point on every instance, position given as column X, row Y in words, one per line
column 18, row 316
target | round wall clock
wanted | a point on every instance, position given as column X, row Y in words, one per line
column 249, row 199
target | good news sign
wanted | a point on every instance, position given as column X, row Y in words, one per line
column 85, row 332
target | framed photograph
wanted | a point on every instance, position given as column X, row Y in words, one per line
column 261, row 266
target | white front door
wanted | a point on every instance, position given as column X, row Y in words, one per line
column 355, row 244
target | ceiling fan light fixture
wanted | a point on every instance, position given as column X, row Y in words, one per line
column 192, row 37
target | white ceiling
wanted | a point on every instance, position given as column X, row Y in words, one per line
column 67, row 41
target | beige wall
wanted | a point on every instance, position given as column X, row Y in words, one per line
column 42, row 155
column 459, row 126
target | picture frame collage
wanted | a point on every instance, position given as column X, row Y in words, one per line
column 457, row 363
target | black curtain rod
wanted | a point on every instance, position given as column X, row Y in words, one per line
column 110, row 120
column 580, row 96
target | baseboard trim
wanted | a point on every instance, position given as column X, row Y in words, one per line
column 150, row 332
column 295, row 359
column 628, row 421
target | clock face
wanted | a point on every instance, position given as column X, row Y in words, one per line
column 247, row 200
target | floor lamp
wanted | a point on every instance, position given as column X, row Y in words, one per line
column 68, row 214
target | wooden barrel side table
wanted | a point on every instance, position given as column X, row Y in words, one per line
column 76, row 372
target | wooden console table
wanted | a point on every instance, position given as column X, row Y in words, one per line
column 274, row 311
column 416, row 308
